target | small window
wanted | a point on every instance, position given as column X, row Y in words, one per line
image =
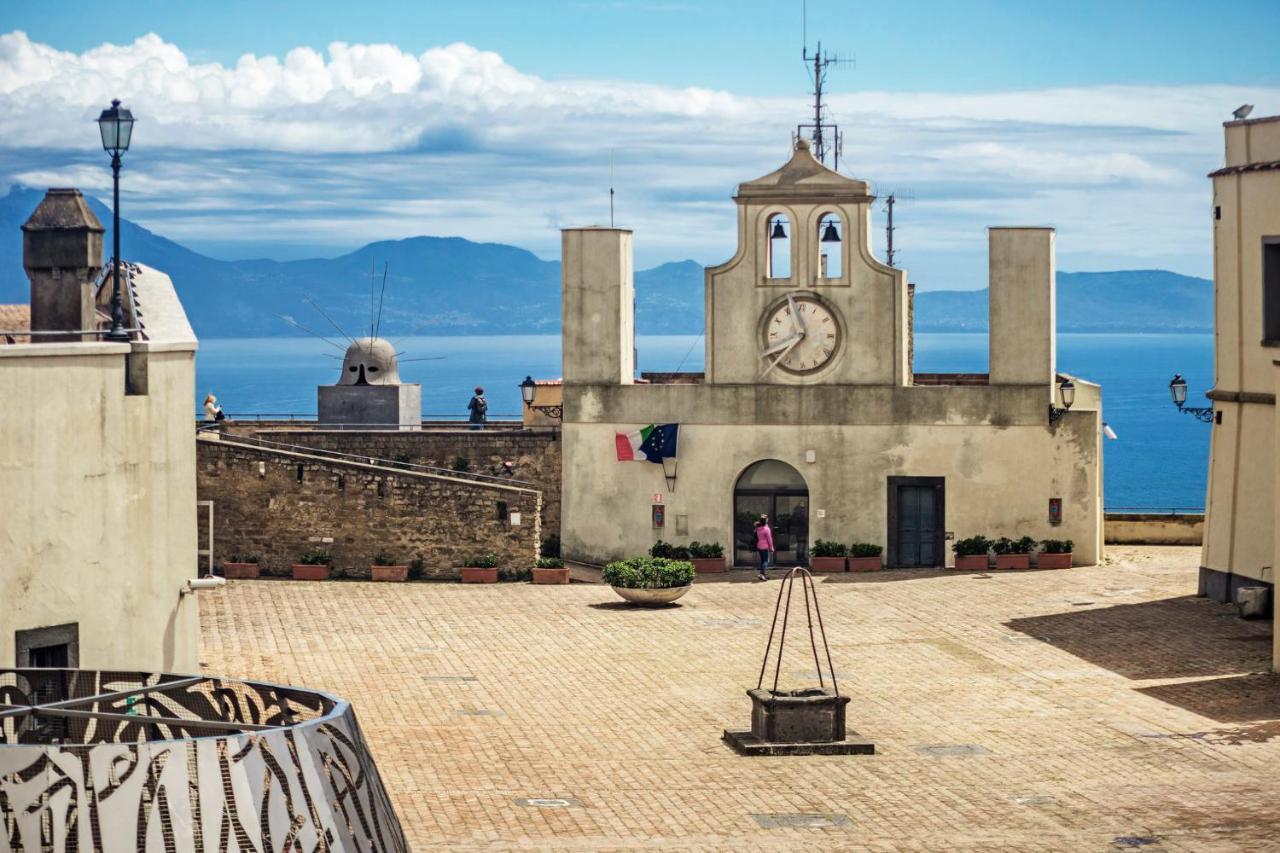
column 778, row 232
column 55, row 646
column 299, row 473
column 830, row 246
column 1271, row 288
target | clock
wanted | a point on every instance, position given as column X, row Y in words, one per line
column 801, row 335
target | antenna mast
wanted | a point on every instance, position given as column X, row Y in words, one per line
column 826, row 135
column 888, row 256
column 610, row 187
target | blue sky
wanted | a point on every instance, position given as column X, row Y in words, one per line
column 293, row 129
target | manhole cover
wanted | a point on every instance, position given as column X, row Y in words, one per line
column 952, row 749
column 549, row 802
column 801, row 821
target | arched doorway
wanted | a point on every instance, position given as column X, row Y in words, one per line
column 773, row 488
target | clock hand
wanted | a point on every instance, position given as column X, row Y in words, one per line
column 781, row 356
column 795, row 315
column 780, row 345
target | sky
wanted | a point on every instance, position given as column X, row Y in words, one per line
column 292, row 130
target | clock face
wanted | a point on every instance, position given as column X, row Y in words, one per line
column 801, row 335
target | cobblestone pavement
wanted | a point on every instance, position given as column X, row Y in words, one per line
column 1090, row 709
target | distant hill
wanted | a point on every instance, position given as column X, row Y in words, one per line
column 452, row 286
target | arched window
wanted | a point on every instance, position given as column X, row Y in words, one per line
column 773, row 488
column 778, row 234
column 830, row 246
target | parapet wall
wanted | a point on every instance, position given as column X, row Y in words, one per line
column 279, row 504
column 1154, row 528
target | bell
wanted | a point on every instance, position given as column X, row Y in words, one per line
column 778, row 232
column 830, row 235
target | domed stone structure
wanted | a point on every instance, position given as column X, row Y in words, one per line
column 369, row 393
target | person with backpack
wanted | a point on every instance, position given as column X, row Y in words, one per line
column 479, row 409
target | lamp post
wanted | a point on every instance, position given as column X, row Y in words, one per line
column 529, row 390
column 1178, row 391
column 1068, row 389
column 116, row 126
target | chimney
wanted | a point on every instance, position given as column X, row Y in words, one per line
column 62, row 254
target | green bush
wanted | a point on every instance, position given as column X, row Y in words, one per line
column 243, row 558
column 515, row 575
column 484, row 561
column 316, row 558
column 971, row 547
column 661, row 549
column 382, row 558
column 864, row 549
column 550, row 563
column 551, row 546
column 705, row 551
column 648, row 573
column 417, row 569
column 823, row 548
column 1005, row 545
column 1057, row 546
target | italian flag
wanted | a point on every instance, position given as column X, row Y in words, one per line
column 650, row 444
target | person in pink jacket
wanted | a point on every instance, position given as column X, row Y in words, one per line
column 764, row 547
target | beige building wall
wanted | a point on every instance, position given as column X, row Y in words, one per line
column 598, row 305
column 97, row 493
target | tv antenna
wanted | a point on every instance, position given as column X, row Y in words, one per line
column 610, row 187
column 825, row 134
column 890, row 200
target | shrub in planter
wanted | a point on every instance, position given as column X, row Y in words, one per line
column 481, row 569
column 241, row 566
column 1013, row 553
column 387, row 568
column 865, row 557
column 550, row 570
column 313, row 566
column 649, row 580
column 1055, row 554
column 667, row 551
column 707, row 557
column 827, row 556
column 550, row 546
column 971, row 553
column 515, row 575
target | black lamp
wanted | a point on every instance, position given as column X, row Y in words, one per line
column 1068, row 391
column 116, row 126
column 528, row 388
column 1178, row 391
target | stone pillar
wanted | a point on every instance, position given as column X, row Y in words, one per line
column 62, row 254
column 598, row 305
column 1021, row 305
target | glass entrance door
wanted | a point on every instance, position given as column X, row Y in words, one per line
column 774, row 489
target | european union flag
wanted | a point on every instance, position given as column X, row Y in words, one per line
column 660, row 443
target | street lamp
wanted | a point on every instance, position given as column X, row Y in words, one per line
column 1178, row 391
column 1068, row 389
column 529, row 390
column 116, row 126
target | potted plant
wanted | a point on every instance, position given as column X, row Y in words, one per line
column 550, row 570
column 865, row 557
column 313, row 566
column 971, row 553
column 385, row 568
column 1013, row 553
column 827, row 556
column 649, row 580
column 1055, row 554
column 481, row 569
column 707, row 557
column 240, row 567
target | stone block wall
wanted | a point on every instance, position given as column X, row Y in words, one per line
column 279, row 505
column 528, row 455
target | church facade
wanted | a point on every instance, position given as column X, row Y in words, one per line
column 808, row 409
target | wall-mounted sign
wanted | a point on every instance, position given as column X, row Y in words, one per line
column 657, row 497
column 659, row 516
column 1055, row 510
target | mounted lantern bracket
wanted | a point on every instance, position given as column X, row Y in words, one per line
column 669, row 472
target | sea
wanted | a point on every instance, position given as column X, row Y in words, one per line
column 1158, row 461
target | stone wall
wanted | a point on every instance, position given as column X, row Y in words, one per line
column 279, row 505
column 533, row 454
column 1154, row 528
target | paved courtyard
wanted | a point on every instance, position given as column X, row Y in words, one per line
column 1087, row 709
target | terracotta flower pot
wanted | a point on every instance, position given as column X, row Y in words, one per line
column 708, row 565
column 306, row 572
column 1053, row 561
column 971, row 562
column 389, row 573
column 240, row 571
column 826, row 564
column 1013, row 561
column 865, row 564
column 474, row 574
column 560, row 575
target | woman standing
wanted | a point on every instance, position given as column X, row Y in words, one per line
column 764, row 547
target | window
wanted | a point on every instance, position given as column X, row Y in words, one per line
column 55, row 646
column 778, row 232
column 830, row 246
column 1271, row 289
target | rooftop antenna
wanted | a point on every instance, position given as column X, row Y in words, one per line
column 610, row 187
column 890, row 200
column 825, row 134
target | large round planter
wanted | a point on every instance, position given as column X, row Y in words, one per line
column 1053, row 561
column 307, row 572
column 1013, row 561
column 551, row 576
column 651, row 597
column 473, row 574
column 389, row 573
column 826, row 564
column 240, row 571
column 708, row 565
column 865, row 564
column 971, row 562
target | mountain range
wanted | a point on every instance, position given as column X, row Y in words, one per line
column 452, row 286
